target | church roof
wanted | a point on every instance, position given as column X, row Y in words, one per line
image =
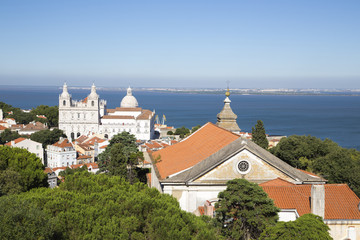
column 209, row 147
column 145, row 114
column 340, row 201
column 129, row 101
column 120, row 109
column 206, row 141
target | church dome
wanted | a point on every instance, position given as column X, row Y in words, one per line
column 129, row 101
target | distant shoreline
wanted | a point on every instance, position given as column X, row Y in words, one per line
column 243, row 91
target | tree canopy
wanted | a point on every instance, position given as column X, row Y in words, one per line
column 21, row 117
column 20, row 171
column 259, row 135
column 183, row 132
column 47, row 137
column 306, row 227
column 7, row 135
column 244, row 210
column 121, row 157
column 88, row 206
column 334, row 163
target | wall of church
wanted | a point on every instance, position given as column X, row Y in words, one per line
column 192, row 196
column 259, row 171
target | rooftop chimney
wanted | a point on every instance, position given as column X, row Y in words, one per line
column 318, row 200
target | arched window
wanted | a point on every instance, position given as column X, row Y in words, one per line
column 78, row 134
column 106, row 136
column 64, row 103
column 92, row 103
column 72, row 135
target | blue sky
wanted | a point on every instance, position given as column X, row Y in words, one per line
column 252, row 44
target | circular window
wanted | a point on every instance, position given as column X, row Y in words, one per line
column 243, row 167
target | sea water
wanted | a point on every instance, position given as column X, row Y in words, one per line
column 333, row 117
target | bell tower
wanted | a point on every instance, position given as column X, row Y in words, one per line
column 227, row 118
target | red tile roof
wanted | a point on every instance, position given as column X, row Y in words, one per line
column 145, row 114
column 15, row 141
column 277, row 182
column 48, row 170
column 340, row 201
column 63, row 143
column 203, row 143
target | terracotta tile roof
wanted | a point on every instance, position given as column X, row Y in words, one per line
column 93, row 140
column 81, row 139
column 15, row 141
column 201, row 210
column 84, row 146
column 63, row 143
column 85, row 100
column 102, row 147
column 119, row 109
column 48, row 170
column 58, row 168
column 84, row 157
column 340, row 201
column 206, row 141
column 2, row 127
column 145, row 114
column 93, row 165
column 34, row 126
column 276, row 182
column 117, row 117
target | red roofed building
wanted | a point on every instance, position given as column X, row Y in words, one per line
column 196, row 169
column 61, row 154
column 336, row 203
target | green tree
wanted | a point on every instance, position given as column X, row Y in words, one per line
column 170, row 133
column 183, row 131
column 194, row 129
column 121, row 157
column 47, row 137
column 7, row 135
column 18, row 167
column 89, row 206
column 259, row 136
column 306, row 227
column 244, row 210
column 51, row 113
column 341, row 166
column 302, row 151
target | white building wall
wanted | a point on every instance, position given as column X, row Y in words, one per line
column 33, row 147
column 60, row 157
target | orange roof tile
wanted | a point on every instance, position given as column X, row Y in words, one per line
column 340, row 201
column 102, row 147
column 63, row 143
column 204, row 142
column 48, row 170
column 146, row 114
column 81, row 139
column 276, row 182
column 15, row 141
column 84, row 157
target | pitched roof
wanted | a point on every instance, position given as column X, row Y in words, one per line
column 198, row 146
column 15, row 141
column 145, row 114
column 81, row 139
column 189, row 160
column 62, row 143
column 340, row 201
column 120, row 109
column 277, row 182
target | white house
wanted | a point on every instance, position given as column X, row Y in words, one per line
column 30, row 145
column 61, row 154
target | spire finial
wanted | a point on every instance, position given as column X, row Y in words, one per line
column 227, row 94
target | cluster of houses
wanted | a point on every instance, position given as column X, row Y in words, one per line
column 22, row 129
column 195, row 169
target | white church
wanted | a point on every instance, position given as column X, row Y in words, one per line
column 90, row 116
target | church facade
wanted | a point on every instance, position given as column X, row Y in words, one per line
column 91, row 115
